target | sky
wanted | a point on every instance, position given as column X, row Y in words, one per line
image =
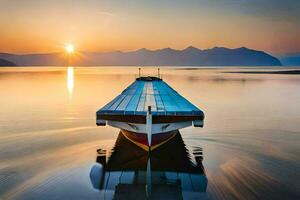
column 40, row 26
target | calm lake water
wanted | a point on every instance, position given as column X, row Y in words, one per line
column 249, row 147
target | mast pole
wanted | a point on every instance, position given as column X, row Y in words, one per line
column 139, row 72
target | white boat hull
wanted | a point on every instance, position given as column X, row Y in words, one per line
column 155, row 128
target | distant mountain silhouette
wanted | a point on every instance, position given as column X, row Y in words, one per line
column 291, row 59
column 50, row 59
column 191, row 56
column 6, row 63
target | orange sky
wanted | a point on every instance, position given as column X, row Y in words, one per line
column 45, row 26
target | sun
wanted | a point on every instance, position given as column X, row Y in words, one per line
column 69, row 48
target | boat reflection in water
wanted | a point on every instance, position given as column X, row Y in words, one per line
column 169, row 172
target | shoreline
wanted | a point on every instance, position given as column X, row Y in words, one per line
column 288, row 72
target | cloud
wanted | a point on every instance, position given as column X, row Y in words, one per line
column 109, row 14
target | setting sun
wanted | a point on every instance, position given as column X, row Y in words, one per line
column 69, row 48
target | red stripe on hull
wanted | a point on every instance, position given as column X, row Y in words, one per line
column 157, row 139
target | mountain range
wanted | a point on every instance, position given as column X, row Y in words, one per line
column 190, row 56
column 290, row 59
column 4, row 62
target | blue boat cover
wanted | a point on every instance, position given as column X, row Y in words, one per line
column 154, row 92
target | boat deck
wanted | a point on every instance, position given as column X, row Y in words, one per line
column 149, row 91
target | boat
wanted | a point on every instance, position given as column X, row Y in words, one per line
column 173, row 171
column 149, row 112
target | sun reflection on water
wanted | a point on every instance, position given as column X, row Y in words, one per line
column 70, row 80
